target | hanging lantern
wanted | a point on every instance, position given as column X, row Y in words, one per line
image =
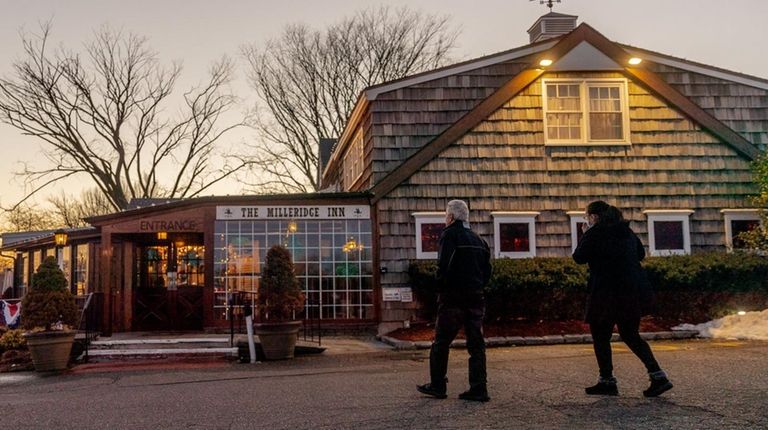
column 60, row 237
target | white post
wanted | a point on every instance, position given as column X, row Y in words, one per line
column 251, row 346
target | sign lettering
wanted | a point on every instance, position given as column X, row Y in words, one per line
column 293, row 212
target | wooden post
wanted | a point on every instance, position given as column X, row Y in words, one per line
column 105, row 280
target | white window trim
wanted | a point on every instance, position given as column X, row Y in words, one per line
column 576, row 217
column 517, row 217
column 584, row 84
column 426, row 218
column 683, row 215
column 737, row 215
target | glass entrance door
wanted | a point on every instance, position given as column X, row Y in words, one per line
column 169, row 287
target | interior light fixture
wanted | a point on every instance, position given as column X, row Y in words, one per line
column 545, row 62
column 635, row 61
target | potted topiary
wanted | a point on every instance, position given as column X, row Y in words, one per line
column 279, row 299
column 49, row 313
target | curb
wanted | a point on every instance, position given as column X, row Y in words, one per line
column 405, row 345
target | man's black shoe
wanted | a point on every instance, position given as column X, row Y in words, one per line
column 429, row 390
column 475, row 395
column 603, row 389
column 657, row 387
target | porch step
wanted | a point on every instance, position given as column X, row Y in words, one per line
column 183, row 343
column 103, row 355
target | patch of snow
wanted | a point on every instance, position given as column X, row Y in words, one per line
column 750, row 325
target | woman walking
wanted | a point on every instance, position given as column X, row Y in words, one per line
column 619, row 295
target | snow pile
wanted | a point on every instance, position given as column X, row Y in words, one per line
column 750, row 325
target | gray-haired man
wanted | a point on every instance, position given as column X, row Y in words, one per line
column 464, row 268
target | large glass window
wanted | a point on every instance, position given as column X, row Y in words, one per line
column 589, row 111
column 81, row 269
column 332, row 258
column 514, row 234
column 669, row 232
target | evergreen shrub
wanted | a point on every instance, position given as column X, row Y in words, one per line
column 48, row 301
column 693, row 287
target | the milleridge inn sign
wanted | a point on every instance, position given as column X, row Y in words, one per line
column 293, row 212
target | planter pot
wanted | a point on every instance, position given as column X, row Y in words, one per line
column 50, row 350
column 278, row 339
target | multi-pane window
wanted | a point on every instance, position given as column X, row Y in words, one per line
column 739, row 221
column 514, row 234
column 669, row 232
column 332, row 258
column 429, row 226
column 353, row 161
column 587, row 111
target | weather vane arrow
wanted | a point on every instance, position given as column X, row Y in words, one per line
column 549, row 3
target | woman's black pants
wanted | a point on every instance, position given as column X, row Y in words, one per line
column 630, row 334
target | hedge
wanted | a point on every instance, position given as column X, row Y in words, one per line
column 692, row 287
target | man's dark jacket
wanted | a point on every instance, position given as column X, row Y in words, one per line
column 618, row 286
column 464, row 266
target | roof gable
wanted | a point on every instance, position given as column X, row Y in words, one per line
column 559, row 52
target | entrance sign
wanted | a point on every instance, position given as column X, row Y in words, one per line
column 293, row 212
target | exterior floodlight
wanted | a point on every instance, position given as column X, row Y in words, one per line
column 635, row 61
column 741, row 313
column 545, row 62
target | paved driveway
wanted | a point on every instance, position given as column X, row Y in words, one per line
column 718, row 384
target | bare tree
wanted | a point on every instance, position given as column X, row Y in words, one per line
column 70, row 211
column 309, row 80
column 28, row 218
column 104, row 115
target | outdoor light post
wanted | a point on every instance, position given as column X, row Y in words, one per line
column 60, row 239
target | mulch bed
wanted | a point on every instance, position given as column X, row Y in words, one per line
column 426, row 331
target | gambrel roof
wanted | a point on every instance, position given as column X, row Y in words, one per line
column 676, row 81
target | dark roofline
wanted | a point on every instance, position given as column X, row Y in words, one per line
column 582, row 33
column 207, row 200
column 78, row 233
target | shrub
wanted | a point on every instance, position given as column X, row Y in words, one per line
column 12, row 340
column 279, row 292
column 695, row 287
column 49, row 301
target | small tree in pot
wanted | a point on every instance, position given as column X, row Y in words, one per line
column 279, row 299
column 49, row 313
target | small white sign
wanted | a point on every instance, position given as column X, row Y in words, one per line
column 406, row 295
column 391, row 294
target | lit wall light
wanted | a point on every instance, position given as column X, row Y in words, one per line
column 162, row 235
column 545, row 62
column 741, row 313
column 635, row 61
column 60, row 237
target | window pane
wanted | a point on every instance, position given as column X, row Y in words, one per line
column 668, row 234
column 514, row 237
column 430, row 235
column 742, row 226
column 605, row 126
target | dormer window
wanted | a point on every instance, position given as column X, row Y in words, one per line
column 585, row 112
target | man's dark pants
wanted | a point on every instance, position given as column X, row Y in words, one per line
column 450, row 318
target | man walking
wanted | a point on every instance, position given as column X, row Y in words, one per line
column 464, row 268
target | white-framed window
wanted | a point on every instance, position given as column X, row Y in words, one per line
column 514, row 234
column 429, row 225
column 578, row 221
column 739, row 221
column 669, row 232
column 353, row 160
column 585, row 111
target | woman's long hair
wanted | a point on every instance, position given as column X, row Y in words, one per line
column 607, row 214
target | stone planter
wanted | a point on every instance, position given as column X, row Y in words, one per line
column 50, row 350
column 278, row 340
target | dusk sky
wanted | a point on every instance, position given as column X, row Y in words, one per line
column 726, row 34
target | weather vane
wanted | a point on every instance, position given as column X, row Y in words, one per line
column 549, row 3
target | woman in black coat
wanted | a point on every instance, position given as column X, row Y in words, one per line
column 619, row 294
